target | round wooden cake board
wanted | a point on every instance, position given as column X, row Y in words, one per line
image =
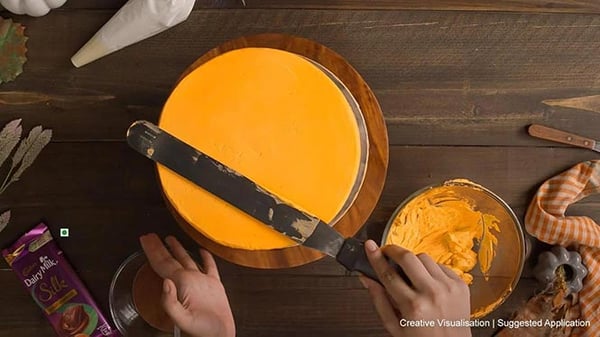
column 375, row 175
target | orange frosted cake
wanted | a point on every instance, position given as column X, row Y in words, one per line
column 274, row 117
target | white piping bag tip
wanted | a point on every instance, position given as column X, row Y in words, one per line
column 135, row 21
column 90, row 52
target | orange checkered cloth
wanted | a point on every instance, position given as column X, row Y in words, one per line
column 546, row 220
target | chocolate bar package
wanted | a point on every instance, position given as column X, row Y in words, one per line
column 55, row 287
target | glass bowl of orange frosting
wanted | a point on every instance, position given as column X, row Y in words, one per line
column 469, row 229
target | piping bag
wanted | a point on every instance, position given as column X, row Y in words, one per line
column 135, row 21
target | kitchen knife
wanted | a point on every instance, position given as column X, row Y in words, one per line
column 239, row 191
column 544, row 132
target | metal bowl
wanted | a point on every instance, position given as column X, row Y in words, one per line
column 507, row 265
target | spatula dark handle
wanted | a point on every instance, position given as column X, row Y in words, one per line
column 352, row 256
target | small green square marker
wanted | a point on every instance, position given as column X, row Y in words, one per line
column 64, row 232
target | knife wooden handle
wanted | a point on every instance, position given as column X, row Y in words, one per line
column 352, row 256
column 548, row 133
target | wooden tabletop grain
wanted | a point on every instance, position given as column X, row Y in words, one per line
column 458, row 82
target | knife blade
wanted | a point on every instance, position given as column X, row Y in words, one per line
column 548, row 133
column 239, row 191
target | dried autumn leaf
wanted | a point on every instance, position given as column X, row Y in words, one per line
column 12, row 49
column 38, row 144
column 4, row 219
column 9, row 137
column 25, row 145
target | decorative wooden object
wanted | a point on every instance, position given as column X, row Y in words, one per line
column 375, row 175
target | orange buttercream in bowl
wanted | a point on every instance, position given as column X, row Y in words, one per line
column 469, row 229
column 447, row 227
column 274, row 117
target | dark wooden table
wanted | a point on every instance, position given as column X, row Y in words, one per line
column 458, row 82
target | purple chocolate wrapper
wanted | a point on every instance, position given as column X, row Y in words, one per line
column 55, row 287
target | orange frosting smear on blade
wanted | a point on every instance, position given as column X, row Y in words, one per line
column 275, row 118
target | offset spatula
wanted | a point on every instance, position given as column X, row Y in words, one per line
column 229, row 185
column 544, row 132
